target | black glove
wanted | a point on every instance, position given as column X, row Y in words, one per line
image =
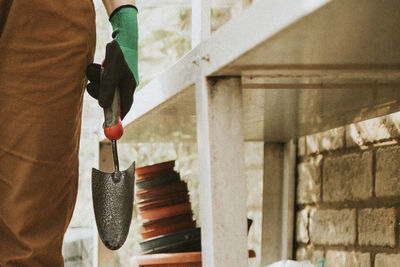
column 115, row 74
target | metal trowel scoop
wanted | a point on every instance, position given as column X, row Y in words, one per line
column 113, row 192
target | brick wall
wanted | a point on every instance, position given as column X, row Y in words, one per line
column 348, row 195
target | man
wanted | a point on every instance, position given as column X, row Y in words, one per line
column 45, row 48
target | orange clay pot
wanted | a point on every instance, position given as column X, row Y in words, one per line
column 164, row 212
column 185, row 259
column 166, row 229
column 167, row 221
column 157, row 191
column 166, row 200
column 152, row 175
column 149, row 171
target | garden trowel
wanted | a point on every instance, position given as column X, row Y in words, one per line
column 113, row 192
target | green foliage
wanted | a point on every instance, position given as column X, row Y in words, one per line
column 219, row 16
column 173, row 42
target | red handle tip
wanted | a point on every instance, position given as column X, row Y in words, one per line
column 115, row 132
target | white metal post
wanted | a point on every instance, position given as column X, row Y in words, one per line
column 222, row 179
column 201, row 25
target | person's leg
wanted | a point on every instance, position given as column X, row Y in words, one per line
column 45, row 47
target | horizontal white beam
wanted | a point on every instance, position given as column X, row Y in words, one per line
column 262, row 20
column 320, row 79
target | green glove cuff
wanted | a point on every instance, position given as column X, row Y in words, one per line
column 125, row 32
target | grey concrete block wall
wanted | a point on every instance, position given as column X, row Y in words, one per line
column 377, row 227
column 348, row 195
column 325, row 141
column 302, row 224
column 384, row 259
column 387, row 172
column 333, row 227
column 309, row 181
column 373, row 131
column 309, row 254
column 350, row 259
column 347, row 177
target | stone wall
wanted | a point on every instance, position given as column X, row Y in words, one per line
column 348, row 195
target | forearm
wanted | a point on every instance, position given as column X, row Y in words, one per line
column 110, row 5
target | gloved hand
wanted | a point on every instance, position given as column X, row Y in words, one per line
column 120, row 66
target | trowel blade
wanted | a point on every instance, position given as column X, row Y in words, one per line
column 113, row 203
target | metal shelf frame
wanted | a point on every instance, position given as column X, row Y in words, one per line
column 280, row 70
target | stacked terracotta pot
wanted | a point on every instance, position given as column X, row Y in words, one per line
column 163, row 202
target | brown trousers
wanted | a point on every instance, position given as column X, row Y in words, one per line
column 45, row 47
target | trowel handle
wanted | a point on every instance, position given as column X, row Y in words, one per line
column 112, row 126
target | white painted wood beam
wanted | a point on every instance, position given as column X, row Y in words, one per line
column 278, row 202
column 222, row 179
column 201, row 21
column 271, row 242
column 288, row 201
